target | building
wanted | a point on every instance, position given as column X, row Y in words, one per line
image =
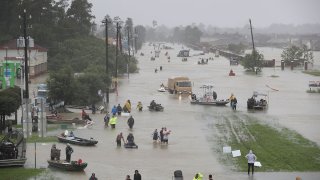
column 37, row 56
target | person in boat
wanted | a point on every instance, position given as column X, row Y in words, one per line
column 139, row 106
column 114, row 110
column 93, row 177
column 85, row 116
column 130, row 122
column 127, row 106
column 69, row 151
column 214, row 95
column 153, row 104
column 155, row 135
column 106, row 119
column 194, row 97
column 119, row 110
column 130, row 140
column 113, row 121
column 119, row 138
column 71, row 134
column 55, row 153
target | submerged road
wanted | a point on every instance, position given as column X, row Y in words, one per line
column 191, row 144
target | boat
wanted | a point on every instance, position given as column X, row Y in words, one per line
column 67, row 166
column 258, row 101
column 202, row 62
column 131, row 146
column 59, row 120
column 77, row 140
column 184, row 59
column 209, row 97
column 13, row 149
column 158, row 107
column 152, row 58
column 162, row 89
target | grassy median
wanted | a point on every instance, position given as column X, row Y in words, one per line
column 19, row 173
column 278, row 149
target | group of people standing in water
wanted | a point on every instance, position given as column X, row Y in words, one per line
column 162, row 136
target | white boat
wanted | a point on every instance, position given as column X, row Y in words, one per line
column 161, row 89
column 209, row 97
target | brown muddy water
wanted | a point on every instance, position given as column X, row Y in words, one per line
column 191, row 144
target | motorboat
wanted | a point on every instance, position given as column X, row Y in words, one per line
column 77, row 140
column 131, row 146
column 162, row 89
column 68, row 166
column 157, row 107
column 258, row 101
column 209, row 97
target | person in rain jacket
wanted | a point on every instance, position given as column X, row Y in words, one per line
column 114, row 110
column 198, row 176
column 127, row 106
column 119, row 109
column 130, row 122
column 113, row 121
column 139, row 106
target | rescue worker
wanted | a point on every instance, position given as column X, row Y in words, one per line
column 69, row 151
column 106, row 119
column 153, row 104
column 130, row 122
column 198, row 176
column 114, row 110
column 113, row 121
column 139, row 106
column 55, row 153
column 231, row 99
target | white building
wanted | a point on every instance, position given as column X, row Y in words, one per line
column 37, row 56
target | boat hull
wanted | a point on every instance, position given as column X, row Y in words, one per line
column 77, row 141
column 73, row 166
column 210, row 103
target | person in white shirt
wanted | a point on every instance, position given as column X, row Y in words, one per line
column 251, row 159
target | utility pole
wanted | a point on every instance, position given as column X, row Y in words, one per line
column 26, row 69
column 117, row 51
column 128, row 51
column 105, row 21
column 135, row 40
column 253, row 48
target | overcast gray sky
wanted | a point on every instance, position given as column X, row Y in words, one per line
column 222, row 13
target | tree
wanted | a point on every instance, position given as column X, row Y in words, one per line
column 79, row 16
column 252, row 62
column 10, row 101
column 140, row 33
column 291, row 53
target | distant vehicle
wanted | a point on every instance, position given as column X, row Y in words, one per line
column 184, row 53
column 179, row 85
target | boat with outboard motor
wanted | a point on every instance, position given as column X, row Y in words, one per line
column 209, row 97
column 258, row 101
column 68, row 166
column 77, row 140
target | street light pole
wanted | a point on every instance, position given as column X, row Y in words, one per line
column 117, row 51
column 107, row 57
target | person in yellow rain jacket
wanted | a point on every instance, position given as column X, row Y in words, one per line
column 127, row 107
column 198, row 176
column 113, row 121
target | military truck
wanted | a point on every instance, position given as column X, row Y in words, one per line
column 179, row 85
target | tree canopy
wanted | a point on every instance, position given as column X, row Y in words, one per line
column 253, row 61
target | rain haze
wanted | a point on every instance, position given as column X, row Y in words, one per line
column 221, row 13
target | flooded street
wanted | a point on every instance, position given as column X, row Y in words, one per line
column 191, row 143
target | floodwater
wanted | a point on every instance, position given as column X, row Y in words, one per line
column 191, row 142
